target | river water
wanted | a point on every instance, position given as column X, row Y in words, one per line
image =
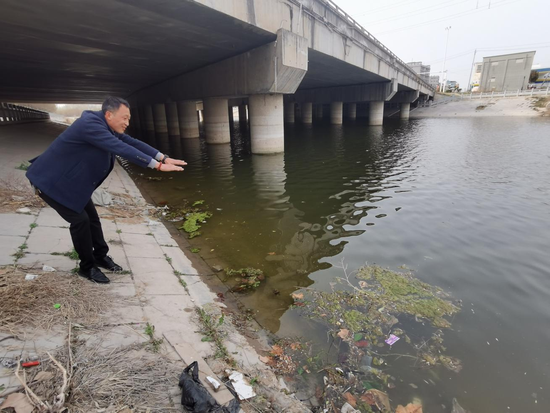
column 464, row 203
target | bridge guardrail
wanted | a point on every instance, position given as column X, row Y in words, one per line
column 379, row 44
column 506, row 93
column 11, row 114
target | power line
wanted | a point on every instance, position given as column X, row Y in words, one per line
column 378, row 10
column 495, row 5
column 420, row 11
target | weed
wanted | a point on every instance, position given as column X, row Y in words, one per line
column 150, row 233
column 23, row 166
column 177, row 273
column 247, row 278
column 119, row 231
column 192, row 220
column 183, row 283
column 197, row 203
column 195, row 250
column 213, row 334
column 73, row 255
column 153, row 341
column 168, row 259
column 33, row 225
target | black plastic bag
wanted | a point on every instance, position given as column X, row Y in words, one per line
column 194, row 397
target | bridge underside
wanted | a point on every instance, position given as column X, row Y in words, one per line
column 166, row 56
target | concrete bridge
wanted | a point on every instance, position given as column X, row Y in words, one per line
column 276, row 59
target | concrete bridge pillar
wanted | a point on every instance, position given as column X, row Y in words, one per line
column 336, row 113
column 216, row 121
column 161, row 127
column 351, row 111
column 149, row 125
column 290, row 108
column 172, row 118
column 376, row 113
column 318, row 111
column 307, row 115
column 405, row 110
column 242, row 114
column 267, row 135
column 187, row 119
column 135, row 124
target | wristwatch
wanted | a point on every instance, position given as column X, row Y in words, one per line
column 164, row 158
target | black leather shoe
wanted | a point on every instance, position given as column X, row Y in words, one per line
column 108, row 263
column 95, row 275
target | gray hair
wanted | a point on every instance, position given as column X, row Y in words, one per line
column 112, row 104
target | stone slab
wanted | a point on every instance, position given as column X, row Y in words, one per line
column 49, row 218
column 9, row 246
column 163, row 236
column 133, row 228
column 16, row 224
column 198, row 290
column 180, row 262
column 159, row 283
column 59, row 262
column 45, row 240
column 138, row 245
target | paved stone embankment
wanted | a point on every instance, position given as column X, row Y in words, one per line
column 486, row 107
column 162, row 286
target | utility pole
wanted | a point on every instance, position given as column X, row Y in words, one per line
column 448, row 29
column 471, row 71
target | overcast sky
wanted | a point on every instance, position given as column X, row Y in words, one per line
column 415, row 30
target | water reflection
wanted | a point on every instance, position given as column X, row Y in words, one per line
column 463, row 202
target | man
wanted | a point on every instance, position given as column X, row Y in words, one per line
column 74, row 166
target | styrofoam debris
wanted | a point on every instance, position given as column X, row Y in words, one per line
column 213, row 382
column 47, row 268
column 243, row 389
column 30, row 277
column 347, row 408
column 24, row 210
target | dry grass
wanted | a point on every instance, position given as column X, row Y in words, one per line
column 27, row 304
column 16, row 193
column 125, row 378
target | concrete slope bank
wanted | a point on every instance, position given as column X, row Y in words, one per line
column 514, row 106
column 162, row 287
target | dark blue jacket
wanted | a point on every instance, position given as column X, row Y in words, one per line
column 80, row 159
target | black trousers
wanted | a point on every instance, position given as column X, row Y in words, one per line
column 85, row 229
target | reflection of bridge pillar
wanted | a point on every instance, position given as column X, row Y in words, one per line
column 172, row 117
column 290, row 108
column 242, row 113
column 405, row 110
column 307, row 115
column 149, row 125
column 188, row 119
column 351, row 110
column 216, row 121
column 161, row 127
column 220, row 165
column 336, row 113
column 318, row 111
column 376, row 113
column 269, row 177
column 267, row 133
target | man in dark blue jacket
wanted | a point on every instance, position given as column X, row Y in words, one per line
column 75, row 165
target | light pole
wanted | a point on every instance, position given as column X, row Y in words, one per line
column 471, row 71
column 448, row 29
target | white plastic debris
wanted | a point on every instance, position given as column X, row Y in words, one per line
column 243, row 389
column 47, row 268
column 24, row 210
column 347, row 408
column 101, row 197
column 215, row 384
column 30, row 277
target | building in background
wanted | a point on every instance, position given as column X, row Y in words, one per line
column 476, row 75
column 422, row 70
column 506, row 72
column 434, row 81
column 541, row 77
